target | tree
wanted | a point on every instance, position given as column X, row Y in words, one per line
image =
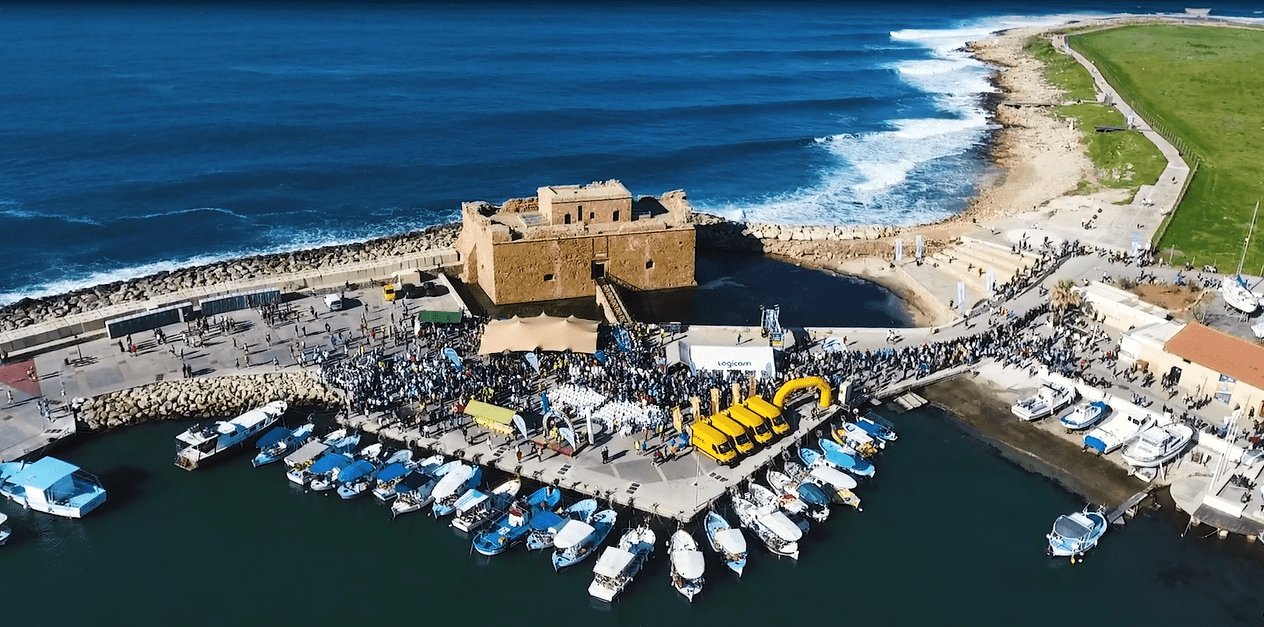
column 1063, row 296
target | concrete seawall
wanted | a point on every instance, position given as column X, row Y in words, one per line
column 206, row 399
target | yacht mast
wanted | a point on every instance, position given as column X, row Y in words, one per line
column 1247, row 241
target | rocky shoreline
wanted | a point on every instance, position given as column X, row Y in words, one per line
column 205, row 399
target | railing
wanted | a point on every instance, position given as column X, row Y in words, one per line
column 613, row 299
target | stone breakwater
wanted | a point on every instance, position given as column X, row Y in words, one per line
column 30, row 311
column 204, row 399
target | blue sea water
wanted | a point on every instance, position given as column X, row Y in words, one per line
column 137, row 138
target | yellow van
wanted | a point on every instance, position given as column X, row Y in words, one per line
column 753, row 422
column 712, row 443
column 769, row 411
column 741, row 440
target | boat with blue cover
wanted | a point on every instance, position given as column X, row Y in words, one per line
column 835, row 483
column 544, row 525
column 388, row 484
column 513, row 526
column 326, row 469
column 480, row 508
column 618, row 565
column 450, row 488
column 578, row 539
column 839, row 456
column 416, row 490
column 280, row 442
column 52, row 486
column 299, row 463
column 1085, row 416
column 810, row 499
column 877, row 426
column 352, row 485
column 727, row 541
column 1074, row 534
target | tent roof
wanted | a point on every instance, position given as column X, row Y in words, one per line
column 479, row 409
column 541, row 332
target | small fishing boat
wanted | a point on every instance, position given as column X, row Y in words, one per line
column 545, row 525
column 727, row 541
column 687, row 564
column 5, row 532
column 877, row 426
column 1074, row 534
column 769, row 501
column 577, row 539
column 618, row 565
column 1158, row 444
column 816, row 505
column 417, row 489
column 1047, row 400
column 1085, row 415
column 299, row 463
column 848, row 434
column 513, row 526
column 280, row 442
column 388, row 487
column 450, row 488
column 199, row 443
column 324, row 471
column 1115, row 432
column 836, row 484
column 484, row 508
column 51, row 486
column 350, row 487
column 839, row 456
column 774, row 529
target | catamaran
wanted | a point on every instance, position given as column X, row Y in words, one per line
column 727, row 541
column 201, row 442
column 618, row 565
column 687, row 564
column 51, row 486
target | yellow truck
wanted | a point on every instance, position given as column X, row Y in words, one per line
column 741, row 440
column 753, row 422
column 770, row 413
column 712, row 443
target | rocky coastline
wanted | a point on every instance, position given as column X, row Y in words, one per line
column 204, row 399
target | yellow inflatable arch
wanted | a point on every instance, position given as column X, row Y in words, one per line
column 806, row 382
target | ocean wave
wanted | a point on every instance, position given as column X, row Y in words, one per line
column 180, row 212
column 14, row 209
column 915, row 170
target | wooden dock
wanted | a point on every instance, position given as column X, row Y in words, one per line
column 1128, row 508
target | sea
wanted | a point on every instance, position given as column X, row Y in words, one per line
column 136, row 138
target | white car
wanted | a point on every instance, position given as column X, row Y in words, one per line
column 334, row 302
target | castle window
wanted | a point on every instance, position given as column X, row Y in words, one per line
column 592, row 215
column 548, row 277
column 566, row 219
column 649, row 264
column 616, row 216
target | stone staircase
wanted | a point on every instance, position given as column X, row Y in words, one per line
column 968, row 262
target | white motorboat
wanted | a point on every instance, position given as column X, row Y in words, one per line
column 774, row 529
column 203, row 441
column 1074, row 534
column 51, row 486
column 1117, row 431
column 5, row 532
column 1158, row 444
column 618, row 565
column 1048, row 399
column 687, row 564
column 1085, row 416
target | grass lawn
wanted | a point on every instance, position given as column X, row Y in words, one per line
column 1205, row 86
column 1124, row 160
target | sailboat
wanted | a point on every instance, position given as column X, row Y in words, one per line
column 727, row 541
column 1234, row 289
column 687, row 564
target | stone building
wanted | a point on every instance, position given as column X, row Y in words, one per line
column 558, row 244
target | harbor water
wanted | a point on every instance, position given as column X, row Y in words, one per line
column 951, row 534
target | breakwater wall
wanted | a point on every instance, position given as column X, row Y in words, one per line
column 206, row 399
column 274, row 268
column 718, row 234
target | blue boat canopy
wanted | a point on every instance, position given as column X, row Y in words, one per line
column 357, row 469
column 330, row 462
column 412, row 481
column 544, row 520
column 42, row 474
column 392, row 472
column 1095, row 444
column 272, row 437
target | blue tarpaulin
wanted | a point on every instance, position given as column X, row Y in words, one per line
column 392, row 471
column 330, row 462
column 272, row 437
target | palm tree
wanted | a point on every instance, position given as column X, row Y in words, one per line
column 1063, row 296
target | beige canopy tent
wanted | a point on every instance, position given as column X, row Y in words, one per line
column 542, row 332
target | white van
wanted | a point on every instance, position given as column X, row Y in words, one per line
column 334, row 302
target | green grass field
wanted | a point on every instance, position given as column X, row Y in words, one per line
column 1204, row 85
column 1123, row 160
